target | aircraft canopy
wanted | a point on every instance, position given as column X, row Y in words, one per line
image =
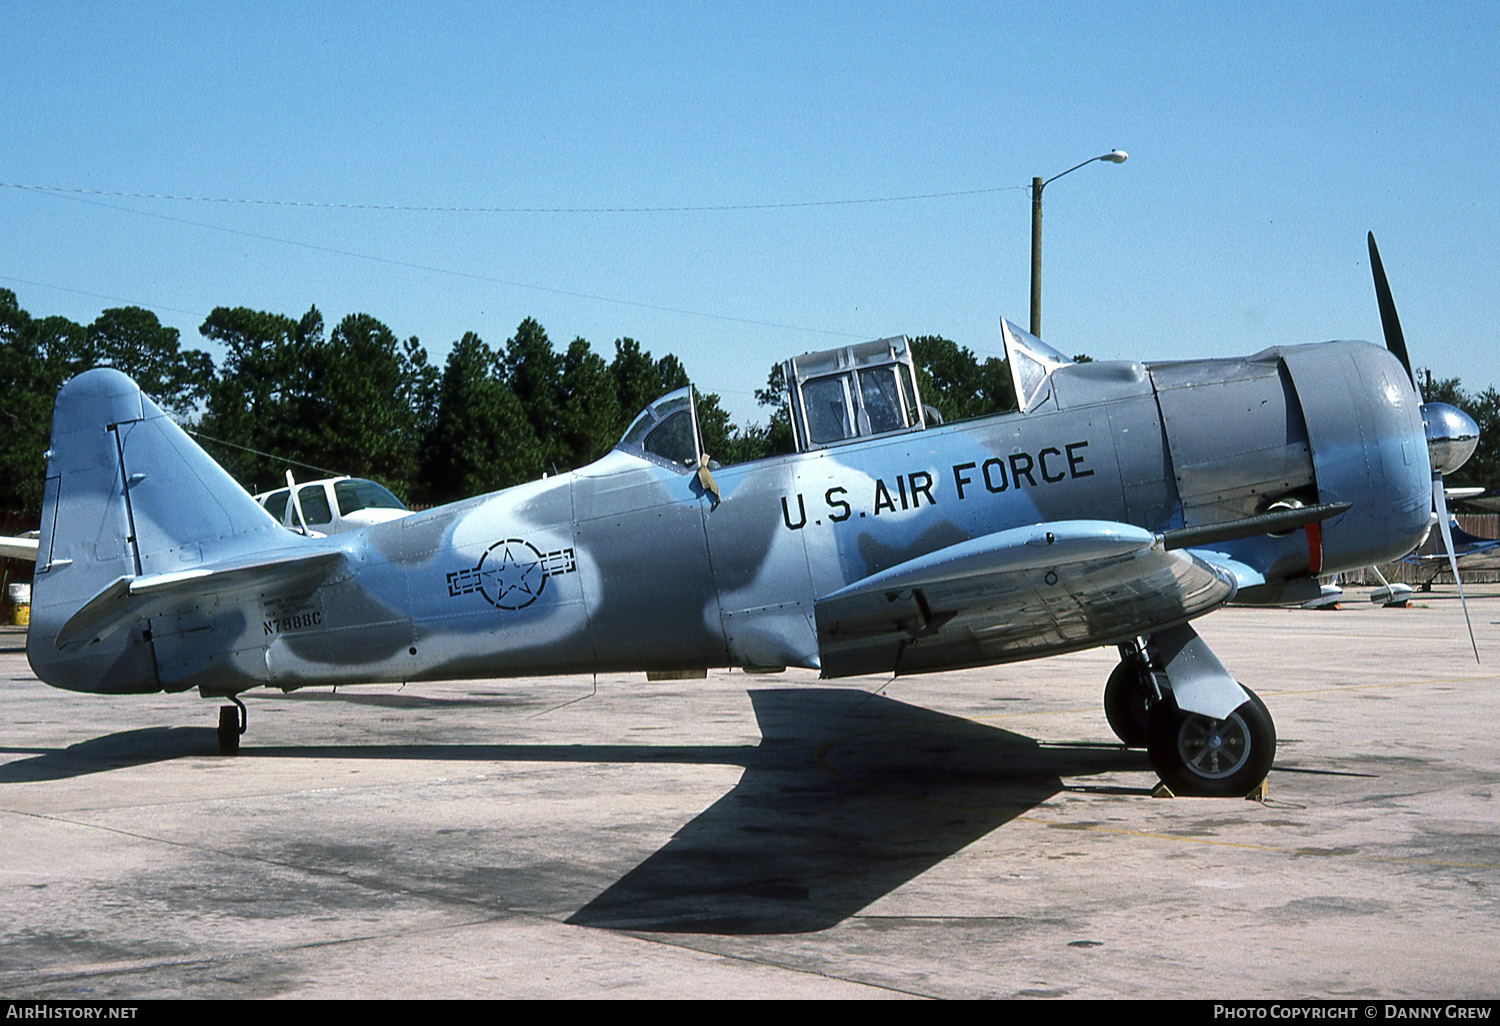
column 853, row 392
column 666, row 431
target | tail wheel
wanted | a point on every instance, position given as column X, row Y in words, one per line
column 1199, row 755
column 1125, row 705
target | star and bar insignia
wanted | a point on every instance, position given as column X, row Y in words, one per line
column 512, row 573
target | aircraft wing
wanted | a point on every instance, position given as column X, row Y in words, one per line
column 18, row 548
column 127, row 600
column 1017, row 594
column 1487, row 499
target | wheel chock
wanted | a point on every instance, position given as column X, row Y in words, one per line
column 1262, row 790
column 1162, row 791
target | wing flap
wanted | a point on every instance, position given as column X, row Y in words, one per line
column 1012, row 595
column 127, row 600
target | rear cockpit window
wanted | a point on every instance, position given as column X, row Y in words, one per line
column 827, row 402
column 859, row 391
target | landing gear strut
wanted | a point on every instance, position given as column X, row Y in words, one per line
column 1128, row 697
column 1193, row 753
column 232, row 722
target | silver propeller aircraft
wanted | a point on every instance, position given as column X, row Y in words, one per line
column 1119, row 503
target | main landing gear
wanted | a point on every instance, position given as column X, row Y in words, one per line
column 1194, row 753
column 232, row 722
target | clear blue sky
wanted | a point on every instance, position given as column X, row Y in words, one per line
column 1264, row 140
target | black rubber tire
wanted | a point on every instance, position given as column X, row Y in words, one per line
column 229, row 730
column 1125, row 705
column 1198, row 755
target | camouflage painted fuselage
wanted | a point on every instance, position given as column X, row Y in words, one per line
column 627, row 564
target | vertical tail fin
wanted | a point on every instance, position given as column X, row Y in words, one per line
column 127, row 494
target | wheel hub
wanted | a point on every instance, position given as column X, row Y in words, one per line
column 1213, row 748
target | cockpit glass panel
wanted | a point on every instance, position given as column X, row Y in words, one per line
column 908, row 394
column 1030, row 372
column 314, row 502
column 1025, row 340
column 673, row 440
column 665, row 430
column 663, row 408
column 827, row 403
column 1032, row 361
column 638, row 430
column 356, row 494
column 879, row 391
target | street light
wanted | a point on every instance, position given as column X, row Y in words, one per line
column 1037, row 185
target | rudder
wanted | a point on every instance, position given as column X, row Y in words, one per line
column 127, row 494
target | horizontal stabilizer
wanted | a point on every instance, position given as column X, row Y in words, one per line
column 1015, row 594
column 127, row 600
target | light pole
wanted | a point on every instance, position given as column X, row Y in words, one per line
column 1037, row 185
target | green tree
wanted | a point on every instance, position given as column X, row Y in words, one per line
column 590, row 421
column 670, row 374
column 533, row 373
column 357, row 402
column 776, row 437
column 952, row 379
column 725, row 441
column 482, row 439
column 37, row 355
column 637, row 378
column 355, row 388
column 260, row 405
column 420, row 384
column 135, row 342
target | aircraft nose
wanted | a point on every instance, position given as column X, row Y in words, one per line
column 1452, row 436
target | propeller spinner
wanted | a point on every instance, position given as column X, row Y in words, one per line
column 1452, row 434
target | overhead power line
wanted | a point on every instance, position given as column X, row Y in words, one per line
column 433, row 209
column 390, row 261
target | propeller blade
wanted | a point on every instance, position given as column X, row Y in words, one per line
column 1441, row 505
column 1394, row 340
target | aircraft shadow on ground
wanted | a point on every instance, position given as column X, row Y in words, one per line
column 112, row 751
column 846, row 798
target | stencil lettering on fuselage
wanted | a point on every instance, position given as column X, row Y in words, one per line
column 288, row 614
column 921, row 488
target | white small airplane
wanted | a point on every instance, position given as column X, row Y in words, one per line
column 332, row 505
